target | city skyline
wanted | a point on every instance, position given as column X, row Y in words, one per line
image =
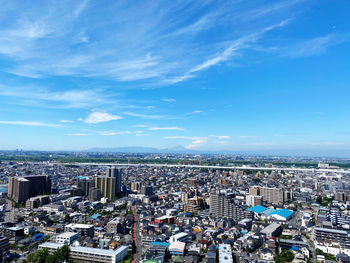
column 230, row 76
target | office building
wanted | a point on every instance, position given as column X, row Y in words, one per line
column 22, row 188
column 223, row 206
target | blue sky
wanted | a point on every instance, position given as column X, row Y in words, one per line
column 252, row 76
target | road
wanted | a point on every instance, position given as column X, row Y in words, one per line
column 261, row 168
column 137, row 238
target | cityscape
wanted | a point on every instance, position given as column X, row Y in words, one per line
column 174, row 131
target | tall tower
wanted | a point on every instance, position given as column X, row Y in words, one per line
column 116, row 173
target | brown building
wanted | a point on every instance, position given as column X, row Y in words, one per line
column 22, row 188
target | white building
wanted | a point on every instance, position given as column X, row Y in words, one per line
column 86, row 254
column 67, row 238
column 180, row 237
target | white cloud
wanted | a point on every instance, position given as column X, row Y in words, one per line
column 196, row 144
column 66, row 121
column 78, row 134
column 113, row 133
column 247, row 136
column 168, row 100
column 173, row 128
column 31, row 123
column 98, row 117
column 221, row 137
column 194, row 112
column 143, row 116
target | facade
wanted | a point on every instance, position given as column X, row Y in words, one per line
column 136, row 186
column 20, row 189
column 223, row 206
column 35, row 202
column 117, row 174
column 332, row 234
column 275, row 196
column 107, row 186
column 94, row 194
column 85, row 184
column 86, row 254
column 4, row 244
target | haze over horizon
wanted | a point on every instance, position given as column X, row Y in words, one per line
column 252, row 76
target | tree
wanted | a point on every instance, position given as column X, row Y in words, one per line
column 41, row 255
column 285, row 256
column 67, row 218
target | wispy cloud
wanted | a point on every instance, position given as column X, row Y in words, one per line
column 315, row 46
column 66, row 121
column 172, row 128
column 194, row 112
column 100, row 133
column 98, row 117
column 31, row 123
column 168, row 100
column 221, row 137
column 161, row 47
column 143, row 116
column 44, row 97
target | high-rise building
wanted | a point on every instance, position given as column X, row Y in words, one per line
column 223, row 206
column 22, row 188
column 85, row 184
column 136, row 187
column 115, row 173
column 94, row 194
column 254, row 200
column 107, row 186
column 147, row 190
column 271, row 195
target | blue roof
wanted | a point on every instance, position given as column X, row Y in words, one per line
column 95, row 216
column 295, row 248
column 160, row 244
column 268, row 212
column 257, row 209
column 283, row 212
